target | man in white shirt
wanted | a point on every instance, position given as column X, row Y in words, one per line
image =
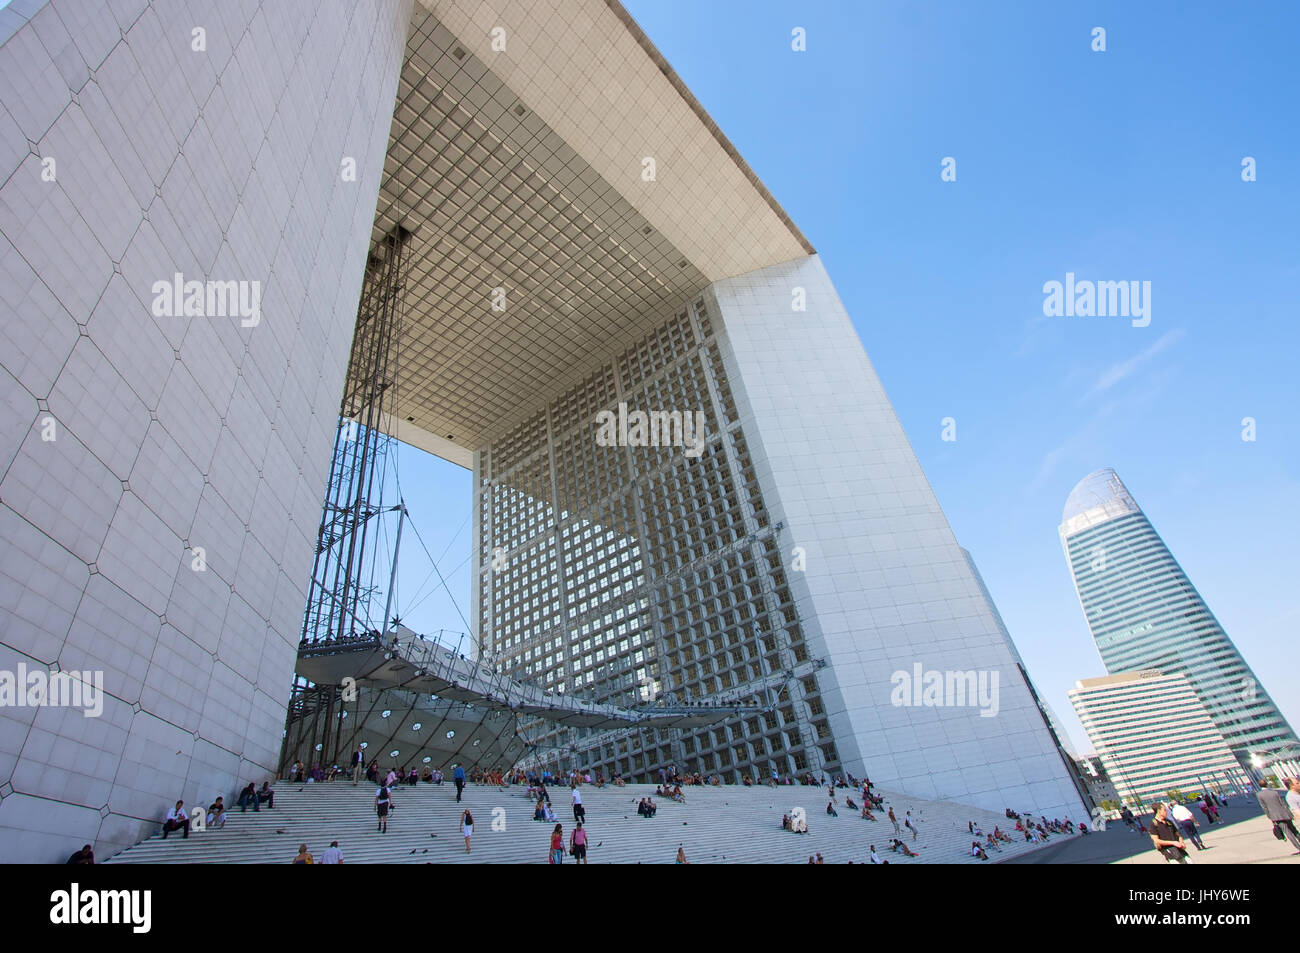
column 1186, row 822
column 1293, row 796
column 579, row 812
column 331, row 854
column 177, row 819
column 875, row 859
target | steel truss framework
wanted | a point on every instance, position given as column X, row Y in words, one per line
column 343, row 582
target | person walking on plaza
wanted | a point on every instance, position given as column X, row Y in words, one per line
column 1277, row 811
column 1293, row 797
column 1186, row 822
column 458, row 776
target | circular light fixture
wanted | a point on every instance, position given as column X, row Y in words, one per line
column 427, row 759
column 364, row 744
column 394, row 753
column 318, row 747
column 476, row 742
column 385, row 713
column 451, row 734
column 416, row 726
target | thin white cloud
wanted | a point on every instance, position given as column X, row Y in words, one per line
column 1124, row 369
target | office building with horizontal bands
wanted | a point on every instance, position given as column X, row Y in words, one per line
column 585, row 248
column 1145, row 613
column 1153, row 736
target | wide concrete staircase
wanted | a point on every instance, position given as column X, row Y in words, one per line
column 729, row 824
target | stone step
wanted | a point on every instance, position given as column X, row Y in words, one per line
column 727, row 824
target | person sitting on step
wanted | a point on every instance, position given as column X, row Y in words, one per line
column 217, row 813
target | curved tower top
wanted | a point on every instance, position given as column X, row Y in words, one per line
column 1098, row 497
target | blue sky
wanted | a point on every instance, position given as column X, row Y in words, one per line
column 1122, row 165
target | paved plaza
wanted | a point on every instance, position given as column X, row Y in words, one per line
column 1243, row 837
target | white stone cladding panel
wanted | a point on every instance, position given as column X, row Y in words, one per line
column 174, row 431
column 886, row 584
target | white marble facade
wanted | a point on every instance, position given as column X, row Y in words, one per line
column 134, row 147
column 886, row 585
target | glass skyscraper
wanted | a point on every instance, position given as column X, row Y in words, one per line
column 1145, row 613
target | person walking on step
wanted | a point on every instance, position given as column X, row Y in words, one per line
column 458, row 776
column 579, row 812
column 893, row 820
column 467, row 827
column 578, row 844
column 358, row 766
column 557, row 844
column 383, row 801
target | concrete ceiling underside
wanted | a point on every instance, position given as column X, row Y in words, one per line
column 528, row 177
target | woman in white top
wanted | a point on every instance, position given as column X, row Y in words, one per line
column 466, row 827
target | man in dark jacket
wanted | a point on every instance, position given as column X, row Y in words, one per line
column 1277, row 811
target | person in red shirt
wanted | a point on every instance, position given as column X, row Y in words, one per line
column 557, row 844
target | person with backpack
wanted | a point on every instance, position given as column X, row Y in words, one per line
column 383, row 801
column 467, row 827
column 557, row 844
column 578, row 844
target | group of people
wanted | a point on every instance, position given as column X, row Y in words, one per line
column 795, row 824
column 330, row 855
column 646, row 807
column 577, row 844
column 214, row 818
